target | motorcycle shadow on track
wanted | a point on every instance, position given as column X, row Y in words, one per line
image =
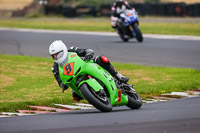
column 132, row 42
column 95, row 111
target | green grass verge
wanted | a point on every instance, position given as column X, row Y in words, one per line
column 99, row 24
column 29, row 81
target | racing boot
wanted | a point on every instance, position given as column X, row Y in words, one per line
column 121, row 78
column 105, row 63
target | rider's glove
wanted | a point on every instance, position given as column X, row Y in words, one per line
column 89, row 54
column 63, row 87
column 119, row 20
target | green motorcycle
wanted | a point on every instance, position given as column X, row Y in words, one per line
column 96, row 85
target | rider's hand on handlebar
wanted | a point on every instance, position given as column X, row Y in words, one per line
column 88, row 56
column 63, row 87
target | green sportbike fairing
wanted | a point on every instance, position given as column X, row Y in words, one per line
column 96, row 85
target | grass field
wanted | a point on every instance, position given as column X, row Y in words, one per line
column 29, row 81
column 100, row 24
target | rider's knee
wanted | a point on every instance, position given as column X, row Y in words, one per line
column 102, row 60
column 114, row 26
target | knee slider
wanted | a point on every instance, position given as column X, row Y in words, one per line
column 104, row 59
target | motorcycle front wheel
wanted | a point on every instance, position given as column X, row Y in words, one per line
column 138, row 33
column 134, row 101
column 98, row 99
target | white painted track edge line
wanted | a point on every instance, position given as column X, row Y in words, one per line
column 154, row 36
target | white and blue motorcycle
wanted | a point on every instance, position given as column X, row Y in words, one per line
column 128, row 26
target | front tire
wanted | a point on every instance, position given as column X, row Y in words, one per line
column 102, row 103
column 138, row 33
column 134, row 101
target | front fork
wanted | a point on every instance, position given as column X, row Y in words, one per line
column 132, row 28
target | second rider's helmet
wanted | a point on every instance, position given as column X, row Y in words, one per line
column 119, row 2
column 59, row 52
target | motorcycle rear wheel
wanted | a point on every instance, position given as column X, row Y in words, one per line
column 134, row 101
column 102, row 103
column 123, row 38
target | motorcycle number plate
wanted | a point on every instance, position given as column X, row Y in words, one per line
column 68, row 69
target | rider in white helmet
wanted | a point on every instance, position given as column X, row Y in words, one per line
column 119, row 6
column 59, row 53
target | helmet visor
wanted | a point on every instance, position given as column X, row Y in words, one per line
column 58, row 55
column 120, row 3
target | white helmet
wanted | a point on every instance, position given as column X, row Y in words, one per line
column 59, row 52
column 119, row 2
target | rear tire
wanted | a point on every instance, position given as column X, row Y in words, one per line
column 134, row 101
column 102, row 105
column 123, row 38
column 120, row 32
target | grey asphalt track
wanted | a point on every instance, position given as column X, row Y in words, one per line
column 153, row 52
column 179, row 116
